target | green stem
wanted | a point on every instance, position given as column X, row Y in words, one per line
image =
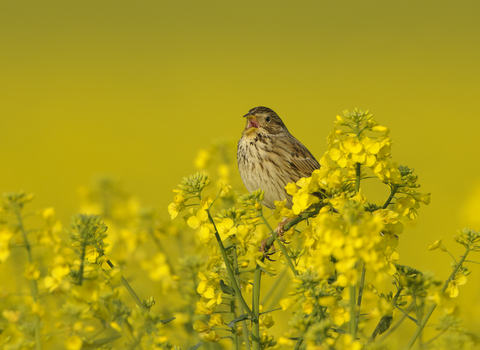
column 414, row 320
column 451, row 256
column 418, row 312
column 360, row 291
column 353, row 288
column 240, row 307
column 381, row 324
column 280, row 244
column 393, row 190
column 256, row 307
column 231, row 275
column 436, row 337
column 300, row 218
column 130, row 290
column 236, row 338
column 353, row 314
column 33, row 283
column 299, row 343
column 82, row 260
column 432, row 308
column 398, row 324
column 358, row 173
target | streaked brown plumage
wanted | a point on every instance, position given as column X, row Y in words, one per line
column 269, row 157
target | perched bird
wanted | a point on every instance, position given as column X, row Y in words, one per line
column 269, row 157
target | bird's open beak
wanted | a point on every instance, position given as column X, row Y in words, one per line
column 252, row 124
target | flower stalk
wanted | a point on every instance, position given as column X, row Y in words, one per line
column 256, row 307
column 33, row 282
column 230, row 273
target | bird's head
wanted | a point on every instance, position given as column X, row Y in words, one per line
column 264, row 120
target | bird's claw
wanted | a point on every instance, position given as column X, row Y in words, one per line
column 279, row 231
column 263, row 249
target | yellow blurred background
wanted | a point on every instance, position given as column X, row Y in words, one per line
column 134, row 89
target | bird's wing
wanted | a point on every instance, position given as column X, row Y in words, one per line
column 301, row 158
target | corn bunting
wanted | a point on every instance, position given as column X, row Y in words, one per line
column 269, row 157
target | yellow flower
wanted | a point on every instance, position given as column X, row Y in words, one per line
column 359, row 197
column 223, row 171
column 291, row 188
column 73, row 343
column 281, row 210
column 55, row 280
column 206, row 202
column 436, row 244
column 422, row 197
column 174, row 209
column 244, row 233
column 158, row 341
column 116, row 326
column 286, row 303
column 338, row 156
column 5, row 236
column 286, row 341
column 212, row 337
column 203, row 309
column 205, row 233
column 199, row 219
column 452, row 289
column 349, row 344
column 405, row 206
column 202, row 159
column 37, row 309
column 267, row 321
column 391, row 257
column 327, row 301
column 48, row 213
column 11, row 316
column 158, row 269
column 227, row 190
column 216, row 320
column 307, row 307
column 352, row 145
column 31, row 271
column 339, row 315
column 279, row 206
column 388, row 216
column 302, row 200
column 226, row 229
column 201, row 327
column 379, row 128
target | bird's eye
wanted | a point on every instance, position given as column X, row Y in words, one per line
column 268, row 119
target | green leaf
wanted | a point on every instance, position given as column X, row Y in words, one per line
column 385, row 324
column 165, row 321
column 195, row 346
column 267, row 272
column 238, row 319
column 226, row 288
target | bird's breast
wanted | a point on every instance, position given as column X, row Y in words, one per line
column 261, row 166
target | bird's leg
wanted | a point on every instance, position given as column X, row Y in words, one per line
column 264, row 250
column 279, row 231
